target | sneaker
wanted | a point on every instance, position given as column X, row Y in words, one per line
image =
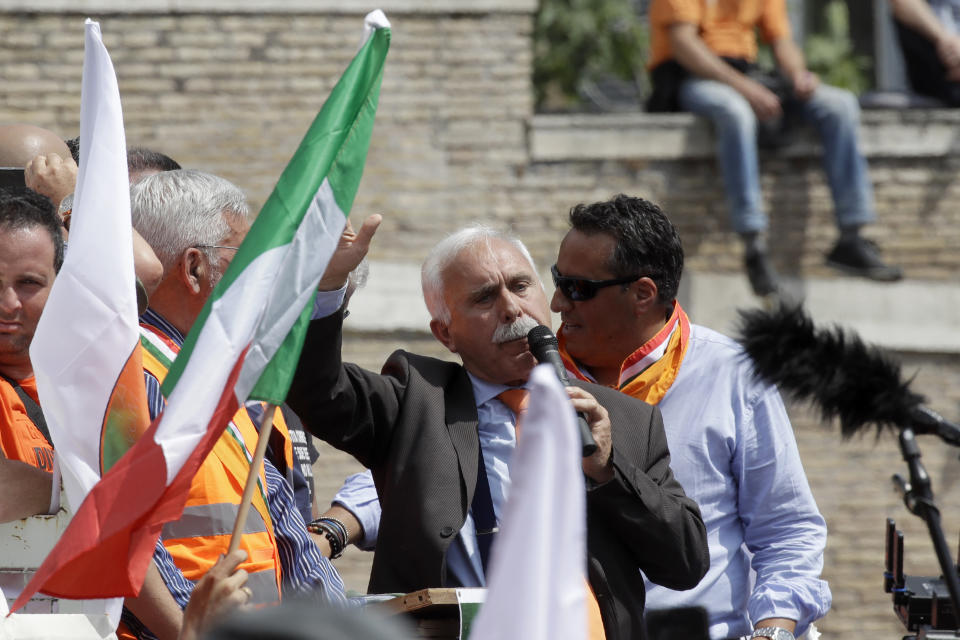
column 860, row 257
column 763, row 279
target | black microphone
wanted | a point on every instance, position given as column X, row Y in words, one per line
column 845, row 378
column 544, row 347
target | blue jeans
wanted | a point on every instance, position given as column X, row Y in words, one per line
column 836, row 114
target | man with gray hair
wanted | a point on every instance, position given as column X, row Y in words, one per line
column 195, row 222
column 437, row 436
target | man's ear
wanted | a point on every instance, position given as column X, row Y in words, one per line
column 646, row 295
column 441, row 332
column 192, row 270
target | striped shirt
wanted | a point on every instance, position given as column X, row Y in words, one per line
column 306, row 572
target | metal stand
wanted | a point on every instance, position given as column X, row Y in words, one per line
column 918, row 497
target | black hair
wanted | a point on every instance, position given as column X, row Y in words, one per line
column 142, row 159
column 22, row 208
column 138, row 158
column 647, row 242
column 74, row 145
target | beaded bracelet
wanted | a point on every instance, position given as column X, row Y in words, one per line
column 334, row 531
column 339, row 525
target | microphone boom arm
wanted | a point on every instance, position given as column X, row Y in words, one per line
column 861, row 386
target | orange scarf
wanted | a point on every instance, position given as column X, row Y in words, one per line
column 649, row 371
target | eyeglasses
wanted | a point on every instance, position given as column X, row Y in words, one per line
column 214, row 246
column 580, row 289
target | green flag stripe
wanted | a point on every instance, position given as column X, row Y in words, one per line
column 273, row 351
column 347, row 169
column 320, row 148
column 280, row 217
column 276, row 379
column 337, row 198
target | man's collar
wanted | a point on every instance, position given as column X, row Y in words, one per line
column 154, row 319
column 484, row 391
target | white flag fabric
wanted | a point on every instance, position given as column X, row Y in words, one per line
column 89, row 328
column 536, row 587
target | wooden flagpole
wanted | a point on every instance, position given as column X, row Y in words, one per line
column 251, row 484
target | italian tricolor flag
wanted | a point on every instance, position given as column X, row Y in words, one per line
column 245, row 344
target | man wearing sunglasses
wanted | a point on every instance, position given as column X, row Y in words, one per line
column 731, row 442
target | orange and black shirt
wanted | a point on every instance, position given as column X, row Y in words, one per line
column 19, row 437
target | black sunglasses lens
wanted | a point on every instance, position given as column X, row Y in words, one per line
column 577, row 290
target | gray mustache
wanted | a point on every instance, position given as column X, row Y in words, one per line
column 517, row 329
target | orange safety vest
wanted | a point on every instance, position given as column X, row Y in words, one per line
column 202, row 534
column 19, row 437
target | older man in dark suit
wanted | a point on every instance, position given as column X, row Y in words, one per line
column 437, row 435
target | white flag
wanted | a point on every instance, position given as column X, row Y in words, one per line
column 85, row 351
column 536, row 587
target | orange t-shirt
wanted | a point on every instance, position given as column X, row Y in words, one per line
column 726, row 26
column 19, row 437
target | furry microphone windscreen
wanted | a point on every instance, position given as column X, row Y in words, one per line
column 845, row 378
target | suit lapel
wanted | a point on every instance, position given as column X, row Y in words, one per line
column 461, row 419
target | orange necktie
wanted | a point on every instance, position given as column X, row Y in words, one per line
column 517, row 400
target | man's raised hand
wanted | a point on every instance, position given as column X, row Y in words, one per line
column 351, row 249
column 52, row 176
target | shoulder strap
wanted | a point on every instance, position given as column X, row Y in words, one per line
column 34, row 412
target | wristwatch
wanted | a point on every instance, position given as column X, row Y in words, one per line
column 774, row 633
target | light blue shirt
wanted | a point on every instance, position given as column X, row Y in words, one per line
column 733, row 450
column 327, row 302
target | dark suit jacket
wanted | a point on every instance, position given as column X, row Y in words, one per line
column 415, row 427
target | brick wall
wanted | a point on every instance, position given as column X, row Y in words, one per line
column 233, row 92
